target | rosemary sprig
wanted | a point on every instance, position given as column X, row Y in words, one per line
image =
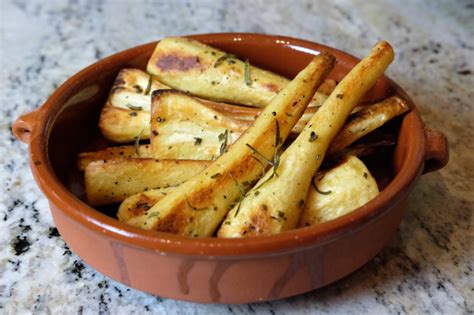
column 254, row 151
column 137, row 142
column 278, row 139
column 248, row 80
column 224, row 137
column 223, row 58
column 276, row 155
column 317, row 189
column 137, row 108
column 242, row 194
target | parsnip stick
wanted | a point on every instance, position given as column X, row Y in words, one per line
column 275, row 203
column 125, row 151
column 366, row 120
column 113, row 180
column 340, row 190
column 207, row 72
column 198, row 206
column 182, row 127
column 127, row 111
column 359, row 124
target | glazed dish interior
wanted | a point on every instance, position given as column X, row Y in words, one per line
column 75, row 129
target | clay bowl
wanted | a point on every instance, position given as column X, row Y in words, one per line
column 214, row 270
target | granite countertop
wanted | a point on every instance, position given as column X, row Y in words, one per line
column 426, row 268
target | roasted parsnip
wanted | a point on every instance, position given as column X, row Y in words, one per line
column 338, row 191
column 113, row 180
column 125, row 151
column 207, row 72
column 139, row 204
column 198, row 206
column 126, row 113
column 334, row 192
column 182, row 127
column 275, row 203
column 359, row 124
column 366, row 120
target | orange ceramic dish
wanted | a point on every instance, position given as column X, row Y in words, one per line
column 215, row 270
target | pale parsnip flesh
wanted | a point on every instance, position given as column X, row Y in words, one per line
column 126, row 113
column 113, row 180
column 342, row 189
column 182, row 127
column 198, row 206
column 275, row 203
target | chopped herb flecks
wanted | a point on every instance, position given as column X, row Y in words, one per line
column 137, row 142
column 223, row 58
column 216, row 175
column 248, row 80
column 313, row 136
column 225, row 138
column 148, row 86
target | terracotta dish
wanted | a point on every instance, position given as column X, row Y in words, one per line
column 212, row 270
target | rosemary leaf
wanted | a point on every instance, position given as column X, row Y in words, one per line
column 137, row 142
column 313, row 136
column 153, row 214
column 223, row 58
column 248, row 80
column 242, row 194
column 277, row 134
column 137, row 108
column 224, row 144
column 254, row 151
column 317, row 189
column 148, row 86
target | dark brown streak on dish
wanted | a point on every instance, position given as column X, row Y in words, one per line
column 216, row 276
column 174, row 61
column 183, row 274
column 299, row 261
column 117, row 249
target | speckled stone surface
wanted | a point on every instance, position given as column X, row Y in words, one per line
column 427, row 268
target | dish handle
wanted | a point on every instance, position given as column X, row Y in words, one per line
column 24, row 125
column 437, row 151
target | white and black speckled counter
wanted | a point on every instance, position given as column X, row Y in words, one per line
column 427, row 268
